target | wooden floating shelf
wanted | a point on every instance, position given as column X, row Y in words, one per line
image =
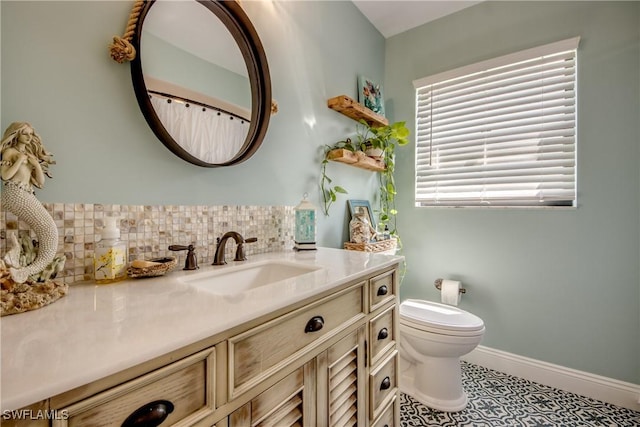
column 357, row 159
column 350, row 108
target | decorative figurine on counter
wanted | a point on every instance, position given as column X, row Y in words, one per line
column 27, row 270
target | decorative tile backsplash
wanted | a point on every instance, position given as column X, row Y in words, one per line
column 149, row 230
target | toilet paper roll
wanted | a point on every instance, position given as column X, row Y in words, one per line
column 450, row 292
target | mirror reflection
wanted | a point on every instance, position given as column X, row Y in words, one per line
column 197, row 79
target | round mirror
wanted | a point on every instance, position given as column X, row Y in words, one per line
column 202, row 80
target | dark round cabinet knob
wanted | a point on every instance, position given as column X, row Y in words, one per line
column 150, row 415
column 385, row 384
column 383, row 334
column 382, row 290
column 315, row 324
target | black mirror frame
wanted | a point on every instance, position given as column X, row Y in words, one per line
column 245, row 35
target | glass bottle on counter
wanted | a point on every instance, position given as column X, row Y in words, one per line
column 360, row 231
column 386, row 234
column 110, row 255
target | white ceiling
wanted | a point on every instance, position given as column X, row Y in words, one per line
column 190, row 27
column 393, row 17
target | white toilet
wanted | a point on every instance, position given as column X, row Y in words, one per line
column 433, row 337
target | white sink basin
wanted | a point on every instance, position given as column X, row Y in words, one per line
column 236, row 279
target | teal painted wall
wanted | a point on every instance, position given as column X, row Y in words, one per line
column 57, row 74
column 561, row 286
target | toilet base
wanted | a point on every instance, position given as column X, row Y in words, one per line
column 436, row 383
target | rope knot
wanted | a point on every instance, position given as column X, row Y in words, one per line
column 121, row 50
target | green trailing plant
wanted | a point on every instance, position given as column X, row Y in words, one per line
column 330, row 192
column 384, row 138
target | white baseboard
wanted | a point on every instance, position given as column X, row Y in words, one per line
column 601, row 388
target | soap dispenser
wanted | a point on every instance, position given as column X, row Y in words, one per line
column 110, row 259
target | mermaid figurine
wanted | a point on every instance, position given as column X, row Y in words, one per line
column 24, row 163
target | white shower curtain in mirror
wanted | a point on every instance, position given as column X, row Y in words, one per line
column 210, row 135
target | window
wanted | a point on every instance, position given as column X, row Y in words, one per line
column 501, row 132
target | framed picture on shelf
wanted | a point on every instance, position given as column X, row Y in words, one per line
column 370, row 95
column 356, row 206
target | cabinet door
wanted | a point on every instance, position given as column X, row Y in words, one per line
column 287, row 403
column 341, row 382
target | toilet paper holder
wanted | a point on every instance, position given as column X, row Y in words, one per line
column 438, row 285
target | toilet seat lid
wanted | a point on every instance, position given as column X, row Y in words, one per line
column 433, row 315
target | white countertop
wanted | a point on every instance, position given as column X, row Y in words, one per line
column 99, row 330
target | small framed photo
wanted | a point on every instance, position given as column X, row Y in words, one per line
column 356, row 206
column 370, row 95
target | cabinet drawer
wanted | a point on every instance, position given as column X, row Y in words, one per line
column 383, row 385
column 382, row 289
column 255, row 354
column 382, row 334
column 184, row 389
column 389, row 415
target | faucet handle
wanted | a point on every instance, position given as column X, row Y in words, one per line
column 240, row 256
column 191, row 262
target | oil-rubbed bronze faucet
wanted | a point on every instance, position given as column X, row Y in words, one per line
column 191, row 262
column 218, row 258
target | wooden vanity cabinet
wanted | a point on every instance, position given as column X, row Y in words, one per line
column 331, row 361
column 287, row 403
column 180, row 393
column 383, row 360
column 342, row 382
column 259, row 352
column 329, row 390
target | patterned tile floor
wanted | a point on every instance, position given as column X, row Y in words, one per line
column 497, row 399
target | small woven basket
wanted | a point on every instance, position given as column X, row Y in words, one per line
column 165, row 265
column 379, row 246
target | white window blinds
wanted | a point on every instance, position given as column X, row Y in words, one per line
column 501, row 132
